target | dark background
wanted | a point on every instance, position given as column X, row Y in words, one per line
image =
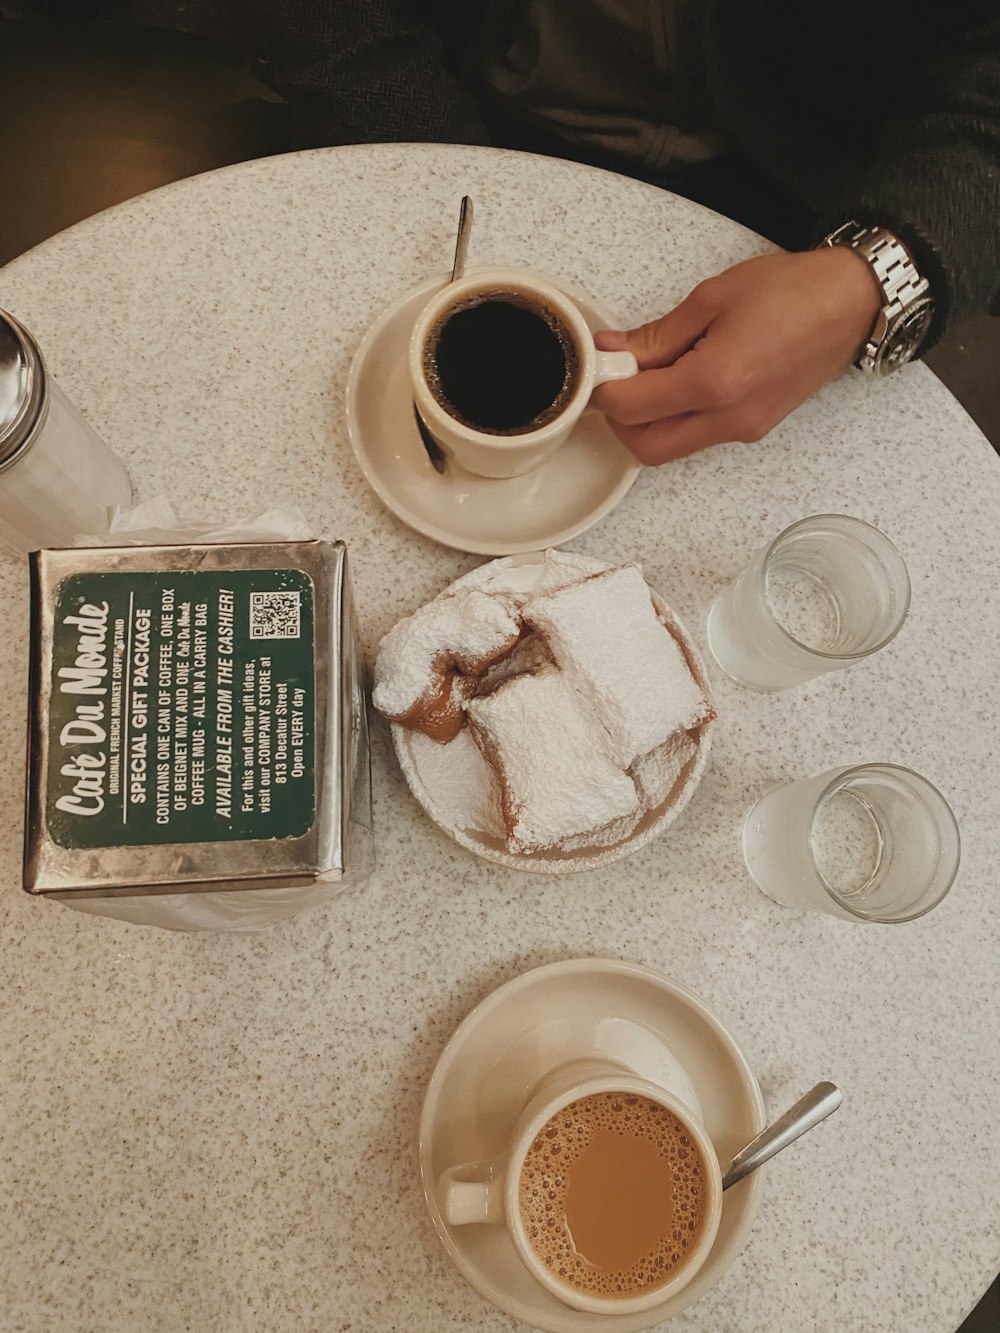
column 104, row 99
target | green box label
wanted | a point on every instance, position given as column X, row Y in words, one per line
column 182, row 708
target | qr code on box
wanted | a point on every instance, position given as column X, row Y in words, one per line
column 274, row 615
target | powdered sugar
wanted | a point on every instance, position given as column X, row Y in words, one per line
column 524, row 577
column 553, row 760
column 465, row 628
column 657, row 773
column 612, row 834
column 466, row 794
column 606, row 637
column 529, row 654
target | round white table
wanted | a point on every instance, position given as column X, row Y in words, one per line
column 217, row 1132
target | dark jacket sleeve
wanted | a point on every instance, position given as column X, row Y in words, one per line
column 895, row 122
column 362, row 71
column 935, row 179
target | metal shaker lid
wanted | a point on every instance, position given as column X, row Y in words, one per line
column 22, row 389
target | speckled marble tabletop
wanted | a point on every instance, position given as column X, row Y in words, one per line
column 216, row 1132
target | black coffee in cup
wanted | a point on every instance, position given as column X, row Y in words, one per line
column 501, row 362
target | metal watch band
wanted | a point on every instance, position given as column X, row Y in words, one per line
column 893, row 266
column 903, row 288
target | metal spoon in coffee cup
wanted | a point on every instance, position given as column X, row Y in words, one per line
column 462, row 239
column 434, row 451
column 808, row 1111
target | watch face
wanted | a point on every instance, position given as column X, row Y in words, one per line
column 902, row 341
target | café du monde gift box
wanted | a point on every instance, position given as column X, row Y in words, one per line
column 197, row 721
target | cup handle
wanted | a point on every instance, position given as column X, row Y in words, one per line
column 464, row 1201
column 614, row 366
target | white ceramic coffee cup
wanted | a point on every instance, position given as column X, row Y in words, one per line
column 488, row 1192
column 478, row 451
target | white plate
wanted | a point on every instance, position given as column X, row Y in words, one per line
column 581, row 483
column 434, row 775
column 574, row 1010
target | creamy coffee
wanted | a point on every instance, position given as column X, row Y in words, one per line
column 613, row 1194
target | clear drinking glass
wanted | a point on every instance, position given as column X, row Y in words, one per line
column 58, row 478
column 827, row 592
column 62, row 486
column 871, row 843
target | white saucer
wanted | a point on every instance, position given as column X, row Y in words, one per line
column 453, row 782
column 565, row 1011
column 581, row 483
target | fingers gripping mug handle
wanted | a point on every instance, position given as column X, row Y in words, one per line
column 614, row 366
column 465, row 1201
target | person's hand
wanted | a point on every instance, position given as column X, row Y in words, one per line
column 740, row 353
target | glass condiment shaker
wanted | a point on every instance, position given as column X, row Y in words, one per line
column 58, row 478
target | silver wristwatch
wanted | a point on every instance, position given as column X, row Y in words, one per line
column 906, row 315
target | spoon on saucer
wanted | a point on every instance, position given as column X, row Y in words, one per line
column 808, row 1111
column 434, row 451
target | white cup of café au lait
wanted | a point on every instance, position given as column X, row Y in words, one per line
column 610, row 1190
column 512, row 450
